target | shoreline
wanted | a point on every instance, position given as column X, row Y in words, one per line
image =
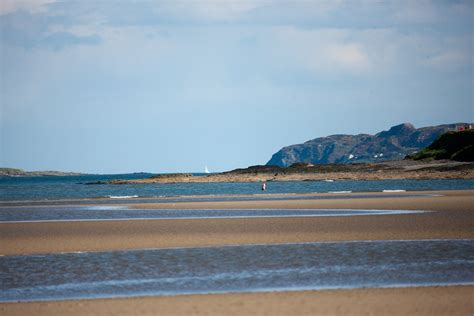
column 270, row 177
column 386, row 170
column 452, row 218
column 127, row 201
column 432, row 300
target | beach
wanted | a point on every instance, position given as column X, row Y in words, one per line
column 239, row 157
column 449, row 215
column 454, row 218
column 452, row 300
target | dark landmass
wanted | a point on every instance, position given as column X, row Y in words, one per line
column 394, row 144
column 12, row 172
column 449, row 157
column 445, row 157
column 400, row 169
column 458, row 146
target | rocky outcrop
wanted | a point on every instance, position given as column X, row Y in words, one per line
column 394, row 144
column 12, row 172
column 399, row 169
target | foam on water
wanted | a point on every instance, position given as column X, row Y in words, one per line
column 122, row 196
column 393, row 191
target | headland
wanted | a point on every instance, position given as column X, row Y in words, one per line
column 389, row 170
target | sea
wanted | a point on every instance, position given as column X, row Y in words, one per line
column 240, row 268
column 218, row 269
column 75, row 187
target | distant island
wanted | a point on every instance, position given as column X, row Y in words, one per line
column 450, row 156
column 13, row 172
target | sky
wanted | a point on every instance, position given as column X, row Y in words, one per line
column 174, row 86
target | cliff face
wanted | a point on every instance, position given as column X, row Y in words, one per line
column 394, row 144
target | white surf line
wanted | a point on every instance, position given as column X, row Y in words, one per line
column 356, row 212
column 122, row 196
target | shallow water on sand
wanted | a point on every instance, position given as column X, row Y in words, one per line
column 109, row 212
column 236, row 269
column 208, row 198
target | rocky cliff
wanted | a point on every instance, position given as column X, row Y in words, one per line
column 394, row 144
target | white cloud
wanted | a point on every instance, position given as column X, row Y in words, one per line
column 223, row 10
column 31, row 6
column 349, row 56
column 336, row 52
column 325, row 51
column 231, row 10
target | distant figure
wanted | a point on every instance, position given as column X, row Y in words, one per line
column 264, row 186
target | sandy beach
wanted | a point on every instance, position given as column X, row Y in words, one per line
column 452, row 217
column 452, row 300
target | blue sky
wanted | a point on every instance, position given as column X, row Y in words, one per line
column 173, row 86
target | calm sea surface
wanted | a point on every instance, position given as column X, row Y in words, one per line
column 236, row 269
column 49, row 188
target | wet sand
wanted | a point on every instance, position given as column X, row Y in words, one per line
column 452, row 300
column 453, row 217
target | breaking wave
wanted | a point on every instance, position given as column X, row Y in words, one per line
column 122, row 196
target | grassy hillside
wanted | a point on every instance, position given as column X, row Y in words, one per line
column 457, row 146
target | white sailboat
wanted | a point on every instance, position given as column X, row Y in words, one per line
column 206, row 170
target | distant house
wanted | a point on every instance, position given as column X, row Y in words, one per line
column 464, row 127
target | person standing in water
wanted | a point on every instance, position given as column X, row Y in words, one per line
column 264, row 186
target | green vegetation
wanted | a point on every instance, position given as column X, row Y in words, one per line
column 457, row 146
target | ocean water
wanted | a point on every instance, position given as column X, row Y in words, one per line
column 248, row 268
column 112, row 212
column 51, row 188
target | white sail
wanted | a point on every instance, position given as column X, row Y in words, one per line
column 206, row 170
